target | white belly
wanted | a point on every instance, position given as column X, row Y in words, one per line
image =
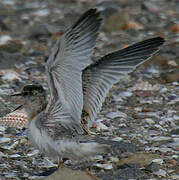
column 41, row 140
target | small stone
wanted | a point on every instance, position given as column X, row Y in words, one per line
column 4, row 140
column 161, row 138
column 104, row 166
column 175, row 131
column 125, row 94
column 165, row 149
column 4, row 39
column 98, row 157
column 163, row 90
column 2, row 128
column 175, row 156
column 15, row 156
column 149, row 121
column 2, row 155
column 158, row 161
column 114, row 159
column 175, row 176
column 10, row 75
column 171, row 162
column 108, row 166
column 152, row 167
column 32, row 153
column 41, row 12
column 161, row 172
column 113, row 115
column 100, row 126
column 117, row 139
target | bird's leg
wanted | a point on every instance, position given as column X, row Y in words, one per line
column 61, row 163
column 91, row 175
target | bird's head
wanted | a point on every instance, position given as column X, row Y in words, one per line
column 34, row 98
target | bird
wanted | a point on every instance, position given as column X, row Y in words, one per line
column 59, row 125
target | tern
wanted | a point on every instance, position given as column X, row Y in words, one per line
column 59, row 126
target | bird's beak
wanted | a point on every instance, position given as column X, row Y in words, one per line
column 17, row 108
column 18, row 94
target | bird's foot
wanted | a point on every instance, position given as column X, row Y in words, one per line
column 91, row 175
column 61, row 163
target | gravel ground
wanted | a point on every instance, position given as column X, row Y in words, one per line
column 141, row 109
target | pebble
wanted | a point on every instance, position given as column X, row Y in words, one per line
column 165, row 150
column 161, row 172
column 163, row 90
column 41, row 12
column 114, row 159
column 98, row 157
column 158, row 161
column 149, row 121
column 100, row 126
column 175, row 177
column 152, row 167
column 2, row 128
column 125, row 94
column 10, row 75
column 4, row 139
column 104, row 166
column 2, row 155
column 117, row 139
column 32, row 153
column 160, row 138
column 4, row 39
column 15, row 155
column 113, row 115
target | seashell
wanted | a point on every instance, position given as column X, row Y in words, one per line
column 15, row 119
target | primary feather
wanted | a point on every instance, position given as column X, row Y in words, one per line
column 99, row 77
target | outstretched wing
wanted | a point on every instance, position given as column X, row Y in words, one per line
column 68, row 58
column 98, row 78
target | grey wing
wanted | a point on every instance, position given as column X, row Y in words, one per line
column 98, row 78
column 59, row 120
column 68, row 58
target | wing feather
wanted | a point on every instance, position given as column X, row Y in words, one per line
column 58, row 117
column 99, row 77
column 68, row 58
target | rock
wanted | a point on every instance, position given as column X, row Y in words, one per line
column 152, row 167
column 143, row 159
column 127, row 173
column 10, row 76
column 161, row 139
column 172, row 76
column 150, row 121
column 67, row 174
column 151, row 6
column 101, row 127
column 161, row 173
column 158, row 161
column 11, row 46
column 175, row 131
column 104, row 166
column 9, row 60
column 4, row 140
column 175, row 177
column 116, row 22
column 113, row 115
